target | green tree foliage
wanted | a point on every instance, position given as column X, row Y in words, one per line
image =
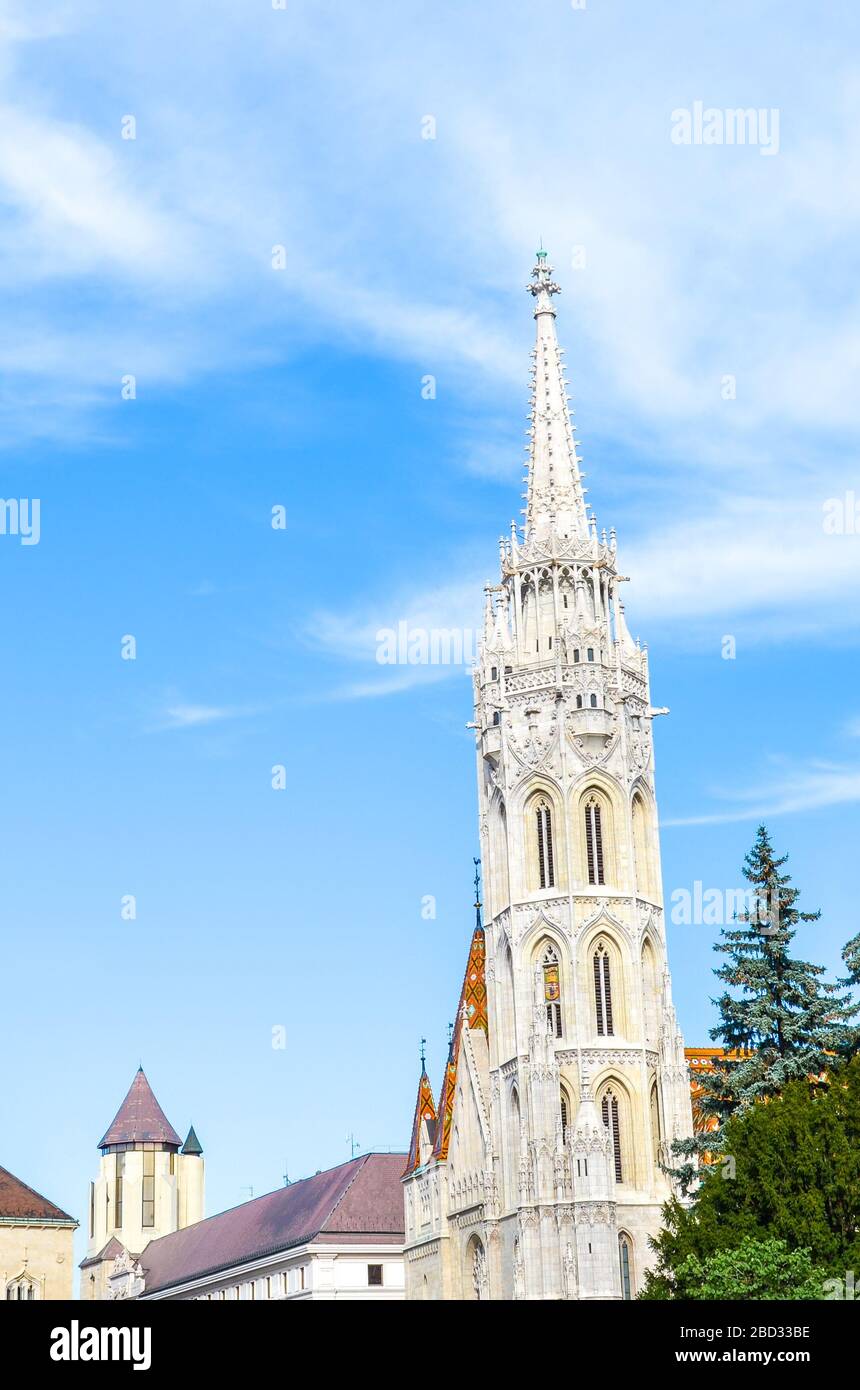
column 777, row 1011
column 789, row 1171
column 753, row 1270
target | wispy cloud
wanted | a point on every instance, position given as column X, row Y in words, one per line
column 181, row 716
column 439, row 625
column 417, row 250
column 806, row 788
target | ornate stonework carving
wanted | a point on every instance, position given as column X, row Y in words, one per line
column 562, row 1163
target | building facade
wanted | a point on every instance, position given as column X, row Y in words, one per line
column 36, row 1256
column 336, row 1235
column 149, row 1184
column 538, row 1174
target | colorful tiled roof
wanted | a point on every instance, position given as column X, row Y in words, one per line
column 140, row 1119
column 360, row 1200
column 425, row 1109
column 22, row 1203
column 705, row 1059
column 473, row 1009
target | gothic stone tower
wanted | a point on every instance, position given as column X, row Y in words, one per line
column 149, row 1184
column 539, row 1174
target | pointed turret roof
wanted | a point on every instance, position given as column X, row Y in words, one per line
column 425, row 1109
column 555, row 500
column 140, row 1119
column 472, row 1010
column 192, row 1144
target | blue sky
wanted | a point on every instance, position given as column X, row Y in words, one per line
column 404, row 257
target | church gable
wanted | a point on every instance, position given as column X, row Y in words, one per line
column 471, row 1014
column 423, row 1126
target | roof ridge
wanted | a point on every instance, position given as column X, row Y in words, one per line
column 359, row 1162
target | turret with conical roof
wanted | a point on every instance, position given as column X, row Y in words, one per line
column 149, row 1185
column 192, row 1144
column 140, row 1119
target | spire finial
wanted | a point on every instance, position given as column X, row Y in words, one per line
column 423, row 1056
column 477, row 864
column 543, row 285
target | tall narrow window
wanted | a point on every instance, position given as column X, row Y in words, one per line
column 147, row 1213
column 593, row 701
column 564, row 1118
column 603, row 992
column 624, row 1257
column 594, row 842
column 92, row 1208
column 610, row 1119
column 552, row 991
column 656, row 1127
column 544, row 838
column 117, row 1201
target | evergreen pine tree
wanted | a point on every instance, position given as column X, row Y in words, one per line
column 851, row 957
column 778, row 1016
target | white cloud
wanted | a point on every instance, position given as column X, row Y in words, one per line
column 435, row 634
column 304, row 129
column 805, row 788
column 194, row 716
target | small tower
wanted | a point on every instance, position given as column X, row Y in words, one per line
column 149, row 1185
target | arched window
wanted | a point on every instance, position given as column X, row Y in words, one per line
column 576, row 654
column 497, row 718
column 552, row 991
column 477, row 1269
column 565, row 1116
column 656, row 1127
column 642, row 848
column 21, row 1288
column 609, row 1111
column 593, row 702
column 544, row 841
column 650, row 990
column 594, row 841
column 625, row 1256
column 603, row 991
column 591, row 653
column 514, row 1148
column 579, row 702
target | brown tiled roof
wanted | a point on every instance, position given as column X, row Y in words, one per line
column 358, row 1200
column 107, row 1252
column 140, row 1119
column 17, row 1200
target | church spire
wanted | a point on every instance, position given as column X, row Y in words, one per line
column 555, row 500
